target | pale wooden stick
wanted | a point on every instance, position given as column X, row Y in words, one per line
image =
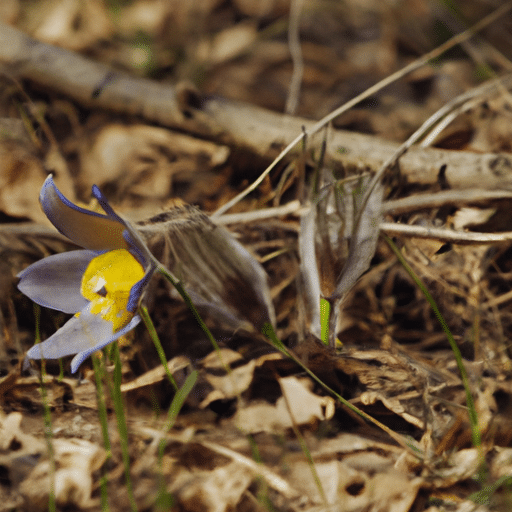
column 445, row 235
column 239, row 124
column 458, row 197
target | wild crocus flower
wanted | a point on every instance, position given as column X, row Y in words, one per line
column 101, row 285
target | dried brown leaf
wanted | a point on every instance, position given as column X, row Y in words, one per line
column 228, row 44
column 74, row 24
column 219, row 490
column 76, row 460
column 460, row 466
column 226, row 385
column 156, row 374
column 142, row 160
column 303, row 406
column 21, row 173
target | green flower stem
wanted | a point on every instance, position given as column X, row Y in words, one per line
column 473, row 416
column 179, row 399
column 143, row 312
column 121, row 423
column 188, row 301
column 325, row 315
column 99, row 374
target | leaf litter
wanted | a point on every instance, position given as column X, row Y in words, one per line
column 238, row 444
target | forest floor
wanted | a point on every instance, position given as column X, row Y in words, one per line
column 166, row 104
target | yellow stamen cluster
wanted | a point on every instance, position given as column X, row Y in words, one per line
column 107, row 282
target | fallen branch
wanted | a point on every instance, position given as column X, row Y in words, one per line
column 258, row 130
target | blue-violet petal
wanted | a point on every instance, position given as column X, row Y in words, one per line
column 82, row 356
column 54, row 282
column 82, row 335
column 86, row 228
column 137, row 290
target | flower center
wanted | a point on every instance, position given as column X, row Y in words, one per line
column 107, row 282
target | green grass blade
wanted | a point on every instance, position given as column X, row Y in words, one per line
column 48, row 431
column 164, row 499
column 179, row 399
column 269, row 333
column 485, row 495
column 188, row 301
column 121, row 423
column 143, row 312
column 99, row 375
column 473, row 417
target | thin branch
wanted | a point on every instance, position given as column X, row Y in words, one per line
column 445, row 235
column 293, row 207
column 366, row 94
column 418, row 202
column 243, row 125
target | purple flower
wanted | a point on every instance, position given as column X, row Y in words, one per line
column 101, row 285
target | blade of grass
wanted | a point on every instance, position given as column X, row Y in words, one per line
column 179, row 399
column 143, row 312
column 473, row 416
column 48, row 431
column 121, row 423
column 99, row 375
column 164, row 499
column 484, row 496
column 413, row 449
column 48, row 434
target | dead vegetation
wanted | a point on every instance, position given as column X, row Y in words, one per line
column 167, row 103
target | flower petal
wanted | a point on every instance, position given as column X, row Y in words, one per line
column 132, row 237
column 84, row 227
column 54, row 282
column 82, row 335
column 138, row 289
column 98, row 194
column 82, row 356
